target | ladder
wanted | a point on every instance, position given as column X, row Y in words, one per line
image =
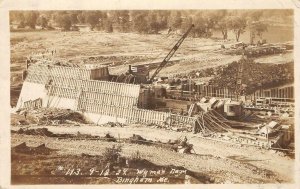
column 191, row 110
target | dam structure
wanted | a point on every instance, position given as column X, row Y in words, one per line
column 87, row 90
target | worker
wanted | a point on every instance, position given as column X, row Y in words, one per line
column 27, row 63
column 24, row 75
column 259, row 43
column 183, row 142
column 25, row 114
column 196, row 128
column 169, row 30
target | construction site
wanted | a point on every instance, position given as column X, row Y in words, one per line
column 213, row 113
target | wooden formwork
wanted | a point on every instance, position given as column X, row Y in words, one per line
column 147, row 116
column 62, row 92
column 36, row 78
column 33, row 104
column 93, row 86
column 213, row 91
column 117, row 100
column 182, row 121
column 68, row 72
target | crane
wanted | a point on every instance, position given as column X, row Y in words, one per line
column 170, row 54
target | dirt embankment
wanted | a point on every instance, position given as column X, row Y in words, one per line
column 255, row 75
column 44, row 165
column 47, row 116
column 221, row 162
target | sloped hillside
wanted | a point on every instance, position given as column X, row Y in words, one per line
column 255, row 75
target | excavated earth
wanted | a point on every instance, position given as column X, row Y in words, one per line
column 214, row 162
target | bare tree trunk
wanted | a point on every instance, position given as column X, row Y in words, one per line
column 237, row 36
column 224, row 33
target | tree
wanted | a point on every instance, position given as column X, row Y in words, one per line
column 256, row 15
column 223, row 26
column 21, row 24
column 63, row 20
column 149, row 21
column 16, row 16
column 74, row 17
column 202, row 26
column 186, row 24
column 238, row 26
column 121, row 18
column 212, row 18
column 219, row 21
column 30, row 18
column 139, row 21
column 175, row 20
column 260, row 28
column 81, row 18
column 92, row 18
column 104, row 22
column 162, row 19
column 153, row 25
column 42, row 21
column 112, row 154
column 108, row 26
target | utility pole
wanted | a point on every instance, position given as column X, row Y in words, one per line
column 267, row 136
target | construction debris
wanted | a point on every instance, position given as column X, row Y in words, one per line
column 39, row 131
column 113, row 124
column 53, row 116
column 182, row 146
column 39, row 150
column 110, row 138
column 138, row 140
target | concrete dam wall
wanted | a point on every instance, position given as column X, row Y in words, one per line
column 100, row 101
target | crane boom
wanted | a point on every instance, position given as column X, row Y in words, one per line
column 171, row 53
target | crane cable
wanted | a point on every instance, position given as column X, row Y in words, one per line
column 168, row 47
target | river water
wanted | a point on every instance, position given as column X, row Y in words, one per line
column 275, row 34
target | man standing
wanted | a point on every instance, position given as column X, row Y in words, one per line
column 25, row 114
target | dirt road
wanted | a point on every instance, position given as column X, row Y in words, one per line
column 226, row 163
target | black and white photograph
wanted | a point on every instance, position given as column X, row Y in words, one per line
column 152, row 96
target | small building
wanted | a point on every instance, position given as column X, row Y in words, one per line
column 219, row 106
column 144, row 100
column 288, row 136
column 233, row 109
column 269, row 130
column 206, row 105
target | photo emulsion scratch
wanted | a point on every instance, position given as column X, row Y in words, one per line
column 152, row 96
